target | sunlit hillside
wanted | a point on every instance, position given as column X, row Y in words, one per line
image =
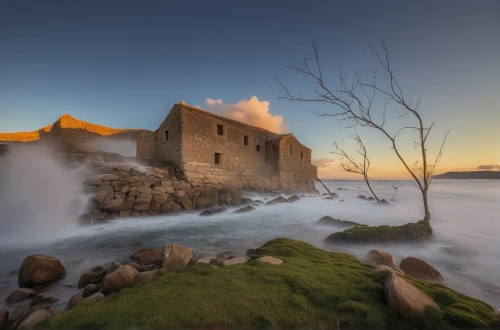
column 65, row 122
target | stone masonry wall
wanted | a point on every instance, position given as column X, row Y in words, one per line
column 169, row 149
column 241, row 166
column 146, row 145
column 296, row 171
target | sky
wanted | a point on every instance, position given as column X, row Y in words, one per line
column 124, row 64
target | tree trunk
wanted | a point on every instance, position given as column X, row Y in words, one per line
column 326, row 188
column 371, row 190
column 426, row 206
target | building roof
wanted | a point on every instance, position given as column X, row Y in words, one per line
column 270, row 136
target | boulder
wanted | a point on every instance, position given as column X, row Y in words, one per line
column 405, row 298
column 176, row 256
column 418, row 268
column 34, row 318
column 4, row 318
column 114, row 266
column 206, row 260
column 279, row 199
column 362, row 197
column 20, row 295
column 206, row 213
column 139, row 268
column 246, row 201
column 379, row 257
column 270, row 260
column 235, row 261
column 90, row 289
column 37, row 270
column 146, row 256
column 112, row 205
column 93, row 298
column 186, row 202
column 75, row 300
column 384, row 268
column 147, row 276
column 245, row 209
column 121, row 278
column 294, row 198
column 84, row 280
column 226, row 255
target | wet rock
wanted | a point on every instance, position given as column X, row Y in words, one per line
column 294, row 198
column 176, row 256
column 246, row 201
column 139, row 268
column 114, row 266
column 235, row 261
column 84, row 280
column 90, row 289
column 121, row 278
column 279, row 199
column 327, row 220
column 257, row 201
column 206, row 213
column 4, row 318
column 245, row 209
column 147, row 276
column 97, row 273
column 20, row 295
column 85, row 220
column 405, row 298
column 226, row 255
column 342, row 200
column 112, row 205
column 270, row 260
column 370, row 198
column 35, row 318
column 383, row 268
column 146, row 256
column 75, row 300
column 93, row 298
column 379, row 257
column 19, row 312
column 39, row 270
column 418, row 268
column 362, row 197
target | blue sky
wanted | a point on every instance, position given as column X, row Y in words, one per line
column 125, row 63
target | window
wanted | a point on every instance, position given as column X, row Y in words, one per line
column 290, row 150
column 217, row 158
column 166, row 135
column 258, row 148
column 301, row 155
column 220, row 130
column 245, row 140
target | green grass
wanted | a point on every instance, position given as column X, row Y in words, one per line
column 313, row 288
column 382, row 234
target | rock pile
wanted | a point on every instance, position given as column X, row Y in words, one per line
column 129, row 191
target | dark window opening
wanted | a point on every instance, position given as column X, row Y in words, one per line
column 258, row 148
column 301, row 155
column 290, row 150
column 166, row 135
column 245, row 140
column 220, row 130
column 217, row 158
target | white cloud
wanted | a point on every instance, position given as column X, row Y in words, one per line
column 253, row 112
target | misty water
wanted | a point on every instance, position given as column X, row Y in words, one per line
column 464, row 247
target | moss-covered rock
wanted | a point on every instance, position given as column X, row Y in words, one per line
column 383, row 234
column 313, row 288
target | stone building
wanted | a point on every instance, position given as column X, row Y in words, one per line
column 215, row 150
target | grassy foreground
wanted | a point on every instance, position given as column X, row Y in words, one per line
column 313, row 288
column 381, row 234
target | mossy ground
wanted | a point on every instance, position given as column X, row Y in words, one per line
column 313, row 288
column 383, row 234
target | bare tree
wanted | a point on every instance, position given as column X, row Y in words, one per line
column 354, row 102
column 350, row 164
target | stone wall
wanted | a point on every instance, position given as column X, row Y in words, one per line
column 146, row 144
column 296, row 171
column 169, row 147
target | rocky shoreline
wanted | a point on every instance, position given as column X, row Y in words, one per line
column 30, row 307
